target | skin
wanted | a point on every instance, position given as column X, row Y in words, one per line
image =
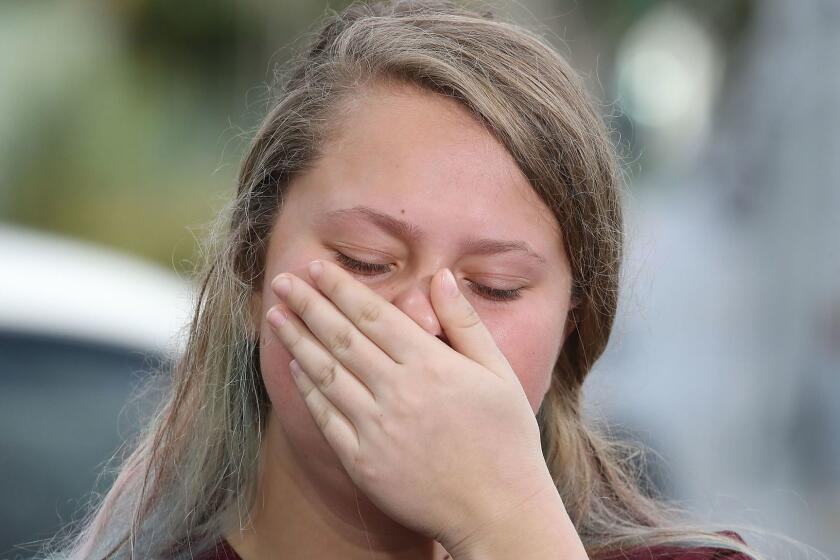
column 415, row 156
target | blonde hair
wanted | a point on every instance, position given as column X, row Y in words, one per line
column 192, row 473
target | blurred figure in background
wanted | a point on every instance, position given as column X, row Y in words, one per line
column 735, row 254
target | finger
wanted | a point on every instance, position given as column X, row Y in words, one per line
column 389, row 328
column 336, row 332
column 466, row 332
column 343, row 389
column 338, row 431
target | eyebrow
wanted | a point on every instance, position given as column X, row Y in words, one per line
column 407, row 230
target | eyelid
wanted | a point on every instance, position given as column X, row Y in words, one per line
column 350, row 247
column 350, row 262
column 496, row 295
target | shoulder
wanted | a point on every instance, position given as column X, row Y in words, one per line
column 667, row 552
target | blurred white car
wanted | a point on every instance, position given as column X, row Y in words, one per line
column 80, row 326
column 63, row 287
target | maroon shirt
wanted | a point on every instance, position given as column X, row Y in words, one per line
column 223, row 551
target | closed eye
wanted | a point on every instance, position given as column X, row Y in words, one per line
column 373, row 269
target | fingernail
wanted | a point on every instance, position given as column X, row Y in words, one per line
column 276, row 317
column 294, row 369
column 282, row 286
column 449, row 285
column 315, row 269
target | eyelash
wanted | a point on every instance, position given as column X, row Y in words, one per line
column 371, row 269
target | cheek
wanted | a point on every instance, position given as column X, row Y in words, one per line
column 531, row 343
column 274, row 365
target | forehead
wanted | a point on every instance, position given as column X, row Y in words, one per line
column 423, row 157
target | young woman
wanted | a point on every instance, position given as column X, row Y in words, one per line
column 396, row 317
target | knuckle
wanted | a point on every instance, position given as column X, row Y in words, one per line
column 327, row 375
column 306, row 392
column 293, row 340
column 335, row 290
column 405, row 405
column 389, row 430
column 437, row 374
column 369, row 313
column 366, row 468
column 341, row 342
column 303, row 308
column 472, row 319
column 323, row 418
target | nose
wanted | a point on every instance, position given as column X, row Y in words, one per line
column 414, row 300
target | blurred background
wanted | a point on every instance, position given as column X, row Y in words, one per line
column 121, row 127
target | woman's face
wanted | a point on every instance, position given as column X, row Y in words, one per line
column 404, row 155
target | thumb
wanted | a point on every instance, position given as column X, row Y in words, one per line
column 463, row 327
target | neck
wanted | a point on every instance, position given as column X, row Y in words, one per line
column 309, row 511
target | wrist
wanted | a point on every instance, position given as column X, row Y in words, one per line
column 539, row 528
